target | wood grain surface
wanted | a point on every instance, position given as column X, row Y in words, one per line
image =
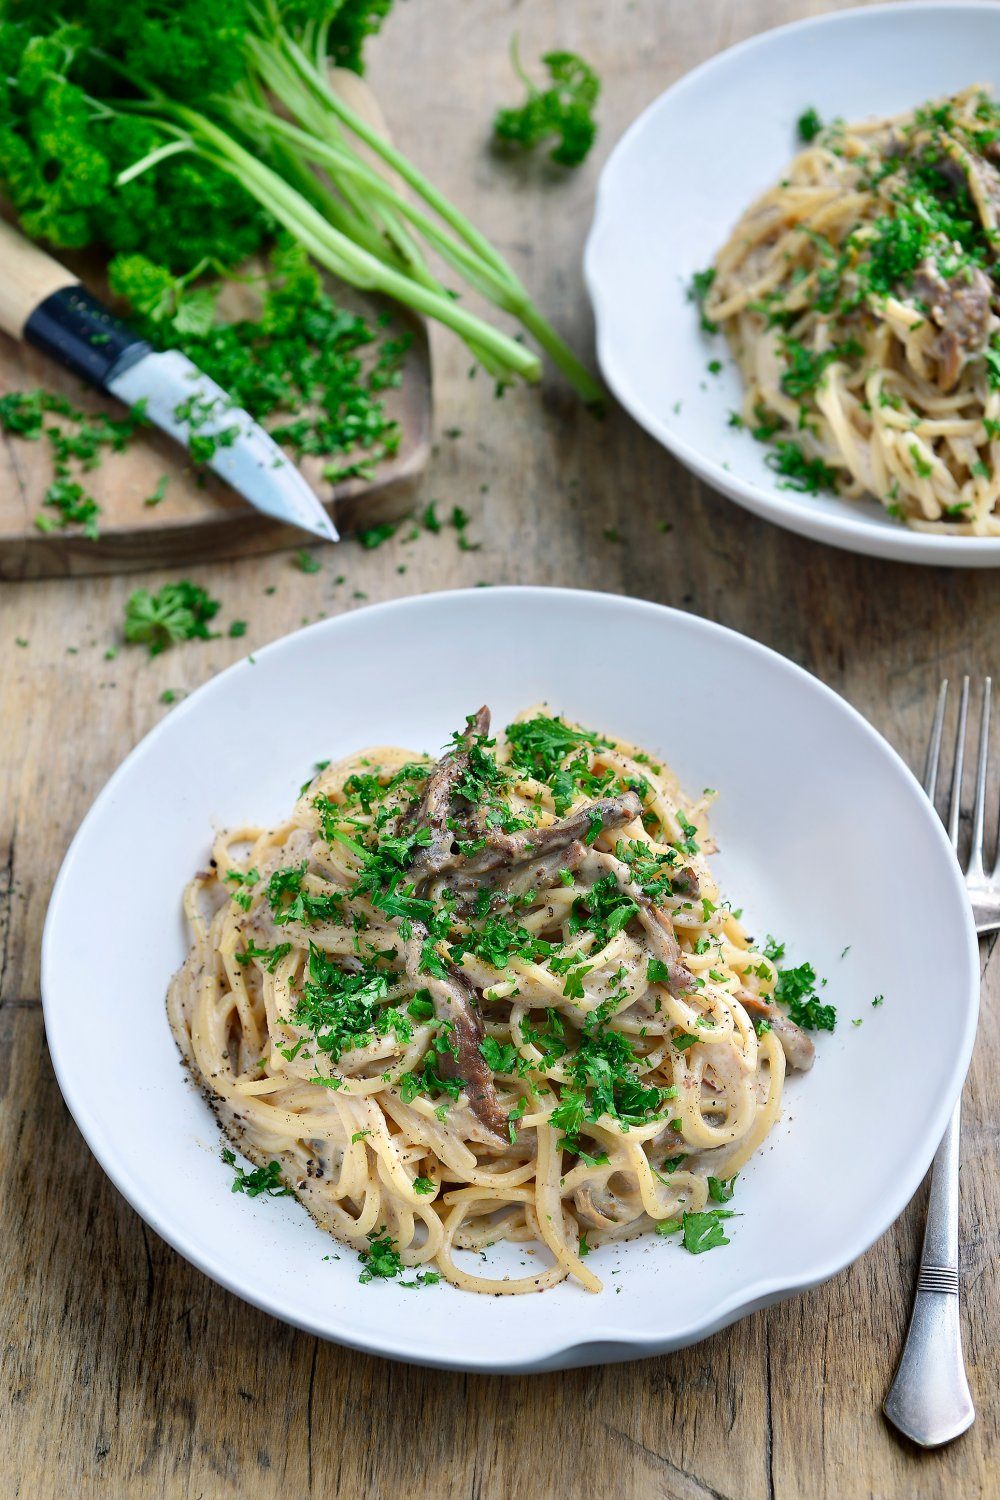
column 124, row 1371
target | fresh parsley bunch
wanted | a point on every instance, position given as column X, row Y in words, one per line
column 189, row 132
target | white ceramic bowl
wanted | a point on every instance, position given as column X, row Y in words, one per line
column 674, row 187
column 826, row 840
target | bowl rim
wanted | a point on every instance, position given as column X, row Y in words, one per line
column 854, row 533
column 602, row 1342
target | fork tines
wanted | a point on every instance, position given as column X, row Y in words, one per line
column 984, row 888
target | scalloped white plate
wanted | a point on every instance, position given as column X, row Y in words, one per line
column 826, row 840
column 674, row 187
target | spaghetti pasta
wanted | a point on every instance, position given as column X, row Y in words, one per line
column 496, row 997
column 860, row 298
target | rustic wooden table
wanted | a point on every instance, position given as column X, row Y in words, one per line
column 125, row 1371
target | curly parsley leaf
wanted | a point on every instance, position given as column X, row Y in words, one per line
column 564, row 111
column 177, row 612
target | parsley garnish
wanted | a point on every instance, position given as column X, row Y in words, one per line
column 540, row 748
column 720, row 1189
column 501, row 1057
column 605, row 1082
column 796, row 988
column 698, row 290
column 702, row 1231
column 291, row 902
column 807, row 475
column 808, row 124
column 344, row 1008
column 246, row 881
column 381, row 1260
column 269, row 957
column 262, row 1180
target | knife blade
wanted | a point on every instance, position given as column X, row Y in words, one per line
column 43, row 303
column 182, row 401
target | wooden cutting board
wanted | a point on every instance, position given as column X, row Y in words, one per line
column 200, row 517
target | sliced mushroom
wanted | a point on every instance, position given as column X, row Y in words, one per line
column 457, row 1002
column 798, row 1049
column 435, row 811
column 960, row 309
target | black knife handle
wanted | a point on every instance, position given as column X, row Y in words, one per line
column 83, row 335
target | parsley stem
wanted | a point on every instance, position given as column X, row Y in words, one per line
column 318, row 85
column 341, row 255
column 487, row 270
column 344, row 165
column 364, row 232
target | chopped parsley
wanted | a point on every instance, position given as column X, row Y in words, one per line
column 290, row 901
column 308, row 370
column 77, row 440
column 807, row 475
column 246, row 880
column 796, row 989
column 704, row 1231
column 558, row 754
column 698, row 290
column 374, row 536
column 603, row 910
column 382, row 1262
column 808, row 125
column 805, row 367
column 720, row 1189
column 344, row 1008
column 269, row 958
column 501, row 1057
column 498, row 939
column 605, row 1082
column 266, row 1181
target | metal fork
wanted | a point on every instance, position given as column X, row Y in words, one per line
column 929, row 1400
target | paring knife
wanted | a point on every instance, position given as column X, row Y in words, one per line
column 45, row 305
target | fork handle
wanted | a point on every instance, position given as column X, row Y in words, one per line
column 929, row 1400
